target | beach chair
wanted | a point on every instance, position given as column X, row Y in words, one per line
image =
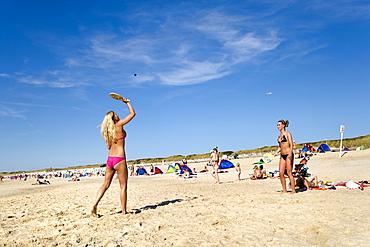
column 301, row 169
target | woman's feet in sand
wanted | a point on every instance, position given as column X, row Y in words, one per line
column 286, row 192
column 93, row 211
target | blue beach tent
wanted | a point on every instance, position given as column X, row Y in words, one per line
column 225, row 164
column 185, row 167
column 323, row 148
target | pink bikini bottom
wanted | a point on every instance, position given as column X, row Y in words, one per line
column 112, row 161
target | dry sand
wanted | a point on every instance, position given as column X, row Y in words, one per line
column 167, row 211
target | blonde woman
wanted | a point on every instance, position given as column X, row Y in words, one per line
column 114, row 136
column 285, row 141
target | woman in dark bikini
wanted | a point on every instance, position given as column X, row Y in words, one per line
column 286, row 156
column 114, row 136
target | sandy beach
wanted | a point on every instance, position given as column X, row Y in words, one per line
column 167, row 211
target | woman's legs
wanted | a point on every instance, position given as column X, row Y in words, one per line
column 122, row 175
column 286, row 164
column 282, row 165
column 109, row 173
column 215, row 173
column 289, row 168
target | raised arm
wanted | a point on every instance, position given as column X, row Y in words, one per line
column 130, row 116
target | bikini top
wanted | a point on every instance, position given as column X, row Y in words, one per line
column 123, row 137
column 282, row 139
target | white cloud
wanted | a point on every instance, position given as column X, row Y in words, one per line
column 188, row 49
column 193, row 73
column 9, row 112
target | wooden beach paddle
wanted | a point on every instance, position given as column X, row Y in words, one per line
column 268, row 157
column 116, row 96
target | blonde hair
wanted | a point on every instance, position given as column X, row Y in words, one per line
column 107, row 129
column 284, row 122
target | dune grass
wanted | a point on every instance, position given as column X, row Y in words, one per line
column 361, row 141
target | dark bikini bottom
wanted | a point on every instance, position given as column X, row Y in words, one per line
column 285, row 156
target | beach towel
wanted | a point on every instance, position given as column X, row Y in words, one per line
column 353, row 185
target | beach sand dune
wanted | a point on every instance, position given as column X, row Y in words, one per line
column 167, row 211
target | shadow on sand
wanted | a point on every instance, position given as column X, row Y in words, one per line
column 160, row 204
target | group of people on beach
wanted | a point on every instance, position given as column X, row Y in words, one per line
column 112, row 131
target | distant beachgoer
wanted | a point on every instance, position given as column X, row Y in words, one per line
column 184, row 161
column 132, row 170
column 186, row 174
column 114, row 136
column 286, row 156
column 238, row 171
column 38, row 182
column 204, row 170
column 263, row 171
column 151, row 169
column 215, row 158
column 74, row 179
column 304, row 183
column 257, row 173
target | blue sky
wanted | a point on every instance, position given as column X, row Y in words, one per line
column 203, row 69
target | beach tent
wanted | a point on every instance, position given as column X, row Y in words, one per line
column 360, row 148
column 323, row 148
column 185, row 167
column 177, row 167
column 171, row 169
column 157, row 171
column 307, row 147
column 141, row 171
column 260, row 162
column 225, row 164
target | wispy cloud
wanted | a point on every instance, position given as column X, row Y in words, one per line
column 187, row 49
column 54, row 79
column 29, row 105
column 341, row 9
column 9, row 112
column 184, row 52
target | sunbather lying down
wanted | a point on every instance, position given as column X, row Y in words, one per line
column 302, row 183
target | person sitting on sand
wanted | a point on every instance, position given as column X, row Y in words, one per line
column 257, row 174
column 204, row 170
column 263, row 171
column 151, row 172
column 303, row 183
column 114, row 136
column 238, row 171
column 186, row 174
